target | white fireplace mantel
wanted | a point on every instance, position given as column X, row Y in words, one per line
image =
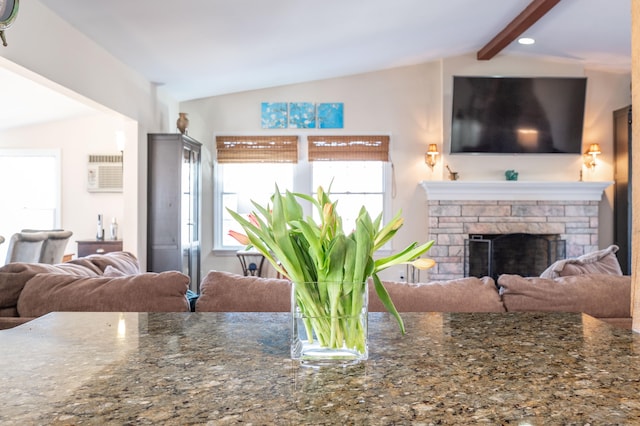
column 514, row 190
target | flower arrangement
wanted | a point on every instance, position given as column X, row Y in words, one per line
column 328, row 267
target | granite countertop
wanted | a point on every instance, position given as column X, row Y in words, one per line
column 228, row 368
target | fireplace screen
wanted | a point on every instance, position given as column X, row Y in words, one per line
column 523, row 254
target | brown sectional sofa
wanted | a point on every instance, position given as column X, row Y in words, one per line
column 108, row 282
column 113, row 282
column 603, row 296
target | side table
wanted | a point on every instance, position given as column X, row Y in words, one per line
column 87, row 247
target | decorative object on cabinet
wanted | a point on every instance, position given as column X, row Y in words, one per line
column 173, row 209
column 183, row 122
column 622, row 209
column 88, row 247
column 430, row 156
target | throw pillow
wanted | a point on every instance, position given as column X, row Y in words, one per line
column 147, row 292
column 121, row 260
column 597, row 262
column 599, row 295
column 469, row 294
column 13, row 277
column 227, row 292
column 110, row 271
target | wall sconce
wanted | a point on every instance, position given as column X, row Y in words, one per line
column 591, row 155
column 430, row 156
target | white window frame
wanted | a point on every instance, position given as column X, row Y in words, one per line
column 56, row 154
column 302, row 181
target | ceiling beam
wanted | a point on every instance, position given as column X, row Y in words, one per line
column 529, row 16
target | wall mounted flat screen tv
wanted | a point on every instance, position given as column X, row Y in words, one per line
column 517, row 115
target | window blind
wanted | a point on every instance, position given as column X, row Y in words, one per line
column 348, row 148
column 257, row 149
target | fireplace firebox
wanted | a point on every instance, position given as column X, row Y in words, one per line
column 523, row 254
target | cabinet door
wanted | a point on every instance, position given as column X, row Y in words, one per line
column 174, row 205
column 190, row 215
column 622, row 196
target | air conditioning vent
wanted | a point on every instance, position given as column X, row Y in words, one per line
column 105, row 173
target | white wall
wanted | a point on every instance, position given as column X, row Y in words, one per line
column 42, row 43
column 412, row 104
column 76, row 139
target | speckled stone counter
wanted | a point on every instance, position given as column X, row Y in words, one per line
column 208, row 368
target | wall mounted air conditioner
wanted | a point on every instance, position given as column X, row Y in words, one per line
column 104, row 173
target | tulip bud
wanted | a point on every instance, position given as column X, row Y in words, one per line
column 241, row 238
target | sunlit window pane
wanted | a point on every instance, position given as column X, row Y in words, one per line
column 30, row 193
column 247, row 182
column 349, row 176
column 354, row 184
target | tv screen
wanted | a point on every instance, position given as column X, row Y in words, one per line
column 517, row 115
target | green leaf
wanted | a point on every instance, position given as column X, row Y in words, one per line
column 386, row 301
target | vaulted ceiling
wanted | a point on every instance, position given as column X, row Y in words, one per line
column 201, row 48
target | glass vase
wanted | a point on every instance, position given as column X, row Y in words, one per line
column 329, row 323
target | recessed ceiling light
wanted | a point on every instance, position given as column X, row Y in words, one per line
column 526, row 40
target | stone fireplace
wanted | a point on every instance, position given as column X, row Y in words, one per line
column 521, row 253
column 458, row 209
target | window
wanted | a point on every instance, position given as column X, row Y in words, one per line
column 30, row 192
column 356, row 167
column 249, row 167
column 353, row 184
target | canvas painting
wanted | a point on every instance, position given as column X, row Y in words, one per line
column 274, row 115
column 302, row 115
column 331, row 115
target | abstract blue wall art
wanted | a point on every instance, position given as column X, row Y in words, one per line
column 274, row 115
column 331, row 116
column 302, row 115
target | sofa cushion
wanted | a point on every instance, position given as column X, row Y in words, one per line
column 147, row 292
column 597, row 262
column 599, row 295
column 228, row 292
column 9, row 312
column 121, row 260
column 10, row 322
column 469, row 294
column 13, row 277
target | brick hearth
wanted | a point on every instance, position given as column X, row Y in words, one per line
column 457, row 209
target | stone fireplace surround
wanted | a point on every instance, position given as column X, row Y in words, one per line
column 457, row 208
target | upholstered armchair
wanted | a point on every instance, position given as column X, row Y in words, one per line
column 25, row 247
column 54, row 245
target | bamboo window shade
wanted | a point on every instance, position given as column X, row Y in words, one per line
column 348, row 148
column 257, row 149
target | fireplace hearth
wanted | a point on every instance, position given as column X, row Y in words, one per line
column 524, row 254
column 458, row 209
